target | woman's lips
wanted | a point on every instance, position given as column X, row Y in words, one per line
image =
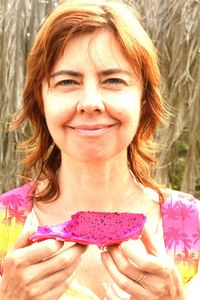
column 93, row 130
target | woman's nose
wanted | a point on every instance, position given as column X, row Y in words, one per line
column 91, row 102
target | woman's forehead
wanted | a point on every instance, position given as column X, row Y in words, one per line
column 100, row 49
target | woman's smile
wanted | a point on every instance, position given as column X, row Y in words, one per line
column 92, row 130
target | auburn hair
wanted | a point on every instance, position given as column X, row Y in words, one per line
column 71, row 18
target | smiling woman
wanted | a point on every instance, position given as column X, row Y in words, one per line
column 93, row 97
column 127, row 38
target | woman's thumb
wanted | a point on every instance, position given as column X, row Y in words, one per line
column 23, row 240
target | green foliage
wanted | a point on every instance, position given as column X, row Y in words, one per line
column 176, row 169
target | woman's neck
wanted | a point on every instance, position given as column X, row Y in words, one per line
column 96, row 186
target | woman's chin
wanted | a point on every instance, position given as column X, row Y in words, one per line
column 93, row 155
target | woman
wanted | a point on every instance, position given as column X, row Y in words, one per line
column 92, row 96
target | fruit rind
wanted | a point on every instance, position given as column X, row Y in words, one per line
column 99, row 228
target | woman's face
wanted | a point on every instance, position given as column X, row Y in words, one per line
column 92, row 107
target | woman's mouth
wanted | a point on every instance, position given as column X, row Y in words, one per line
column 91, row 130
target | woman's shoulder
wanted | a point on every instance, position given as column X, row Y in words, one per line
column 181, row 229
column 19, row 197
column 180, row 206
column 175, row 197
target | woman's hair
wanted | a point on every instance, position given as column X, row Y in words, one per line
column 68, row 20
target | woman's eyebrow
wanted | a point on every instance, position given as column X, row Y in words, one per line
column 105, row 72
column 66, row 72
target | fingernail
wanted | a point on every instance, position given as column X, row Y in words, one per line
column 104, row 254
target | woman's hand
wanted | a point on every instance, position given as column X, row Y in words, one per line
column 38, row 271
column 143, row 273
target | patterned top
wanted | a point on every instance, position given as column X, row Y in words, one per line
column 181, row 228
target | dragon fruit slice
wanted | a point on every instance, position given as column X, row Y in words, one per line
column 99, row 228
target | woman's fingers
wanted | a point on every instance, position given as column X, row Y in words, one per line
column 23, row 240
column 40, row 269
column 110, row 293
column 142, row 275
column 25, row 254
column 125, row 283
column 52, row 281
column 32, row 254
column 62, row 260
column 124, row 265
column 146, row 262
column 148, row 243
column 54, row 293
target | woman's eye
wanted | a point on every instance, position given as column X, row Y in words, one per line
column 114, row 81
column 67, row 82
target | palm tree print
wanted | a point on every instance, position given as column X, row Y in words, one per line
column 15, row 201
column 173, row 237
column 197, row 236
column 188, row 257
column 186, row 210
column 171, row 211
column 178, row 210
column 186, row 243
column 18, row 215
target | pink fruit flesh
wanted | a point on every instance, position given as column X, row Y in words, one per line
column 99, row 228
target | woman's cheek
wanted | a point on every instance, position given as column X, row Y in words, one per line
column 58, row 112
